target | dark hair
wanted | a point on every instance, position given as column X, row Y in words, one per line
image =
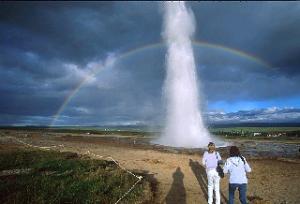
column 210, row 143
column 235, row 152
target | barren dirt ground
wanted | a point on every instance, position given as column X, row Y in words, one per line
column 180, row 177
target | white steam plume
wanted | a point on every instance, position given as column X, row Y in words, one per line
column 184, row 124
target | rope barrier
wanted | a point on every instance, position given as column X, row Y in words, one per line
column 93, row 155
column 34, row 146
column 132, row 187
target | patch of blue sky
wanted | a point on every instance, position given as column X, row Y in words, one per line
column 229, row 106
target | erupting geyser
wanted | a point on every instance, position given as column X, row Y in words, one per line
column 184, row 125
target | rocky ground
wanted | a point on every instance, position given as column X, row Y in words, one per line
column 177, row 174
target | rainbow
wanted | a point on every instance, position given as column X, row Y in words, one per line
column 152, row 46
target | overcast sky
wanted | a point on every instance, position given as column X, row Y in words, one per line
column 102, row 63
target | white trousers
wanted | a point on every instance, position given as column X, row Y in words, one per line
column 213, row 184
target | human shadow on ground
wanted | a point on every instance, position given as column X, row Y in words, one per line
column 201, row 176
column 177, row 192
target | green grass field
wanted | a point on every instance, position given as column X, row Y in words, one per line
column 141, row 131
column 54, row 177
column 270, row 133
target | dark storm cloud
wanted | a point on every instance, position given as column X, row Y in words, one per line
column 230, row 77
column 47, row 49
column 78, row 32
column 123, row 92
column 41, row 43
column 265, row 29
column 239, row 82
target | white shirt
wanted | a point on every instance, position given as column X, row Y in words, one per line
column 237, row 170
column 210, row 160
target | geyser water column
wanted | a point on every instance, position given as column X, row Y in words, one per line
column 184, row 124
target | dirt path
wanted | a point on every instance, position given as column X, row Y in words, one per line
column 182, row 179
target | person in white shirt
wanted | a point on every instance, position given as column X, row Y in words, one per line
column 237, row 167
column 210, row 160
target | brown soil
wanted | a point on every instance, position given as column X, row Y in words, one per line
column 177, row 178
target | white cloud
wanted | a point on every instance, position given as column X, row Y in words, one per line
column 82, row 110
column 272, row 114
column 271, row 110
column 87, row 73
